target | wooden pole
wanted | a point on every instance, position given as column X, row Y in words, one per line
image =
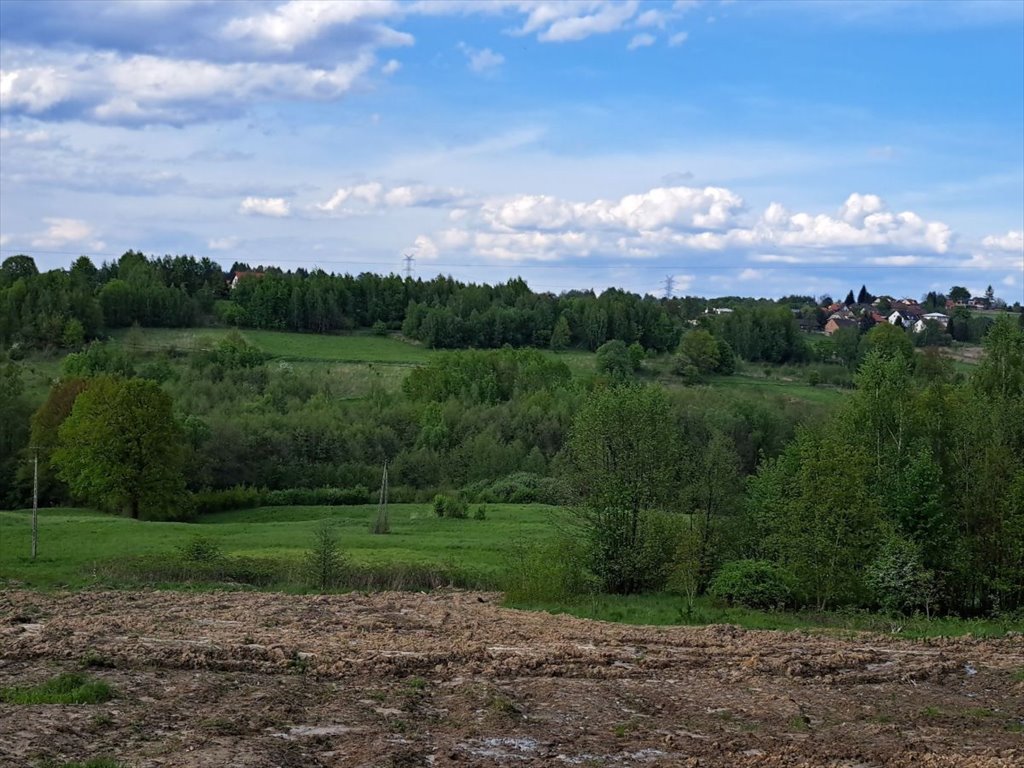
column 35, row 503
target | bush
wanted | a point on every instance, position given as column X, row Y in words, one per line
column 480, row 513
column 517, row 488
column 549, row 572
column 201, row 549
column 753, row 584
column 450, row 506
column 897, row 578
column 628, row 555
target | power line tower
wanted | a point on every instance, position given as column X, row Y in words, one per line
column 382, row 524
column 408, row 258
column 670, row 286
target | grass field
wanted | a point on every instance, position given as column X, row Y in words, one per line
column 352, row 347
column 73, row 542
column 667, row 610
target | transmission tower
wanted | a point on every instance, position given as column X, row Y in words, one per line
column 408, row 259
column 670, row 285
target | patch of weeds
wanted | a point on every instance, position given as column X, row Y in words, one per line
column 931, row 712
column 96, row 762
column 416, row 683
column 298, row 663
column 64, row 689
column 1018, row 675
column 101, row 721
column 414, row 691
column 799, row 723
column 980, row 712
column 622, row 730
column 880, row 719
column 1015, row 726
column 93, row 660
column 398, row 726
column 503, row 705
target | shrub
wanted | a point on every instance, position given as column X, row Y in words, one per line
column 380, row 328
column 201, row 549
column 753, row 584
column 450, row 506
column 517, row 488
column 480, row 513
column 549, row 572
column 626, row 553
column 897, row 578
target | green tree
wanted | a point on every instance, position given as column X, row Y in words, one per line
column 121, row 449
column 614, row 360
column 561, row 336
column 889, row 341
column 959, row 294
column 622, row 467
column 702, row 350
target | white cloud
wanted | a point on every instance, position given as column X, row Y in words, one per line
column 678, row 39
column 652, row 18
column 66, row 232
column 362, row 198
column 672, row 220
column 751, row 274
column 1012, row 241
column 481, row 61
column 641, row 40
column 392, row 66
column 1009, row 281
column 223, row 243
column 559, row 21
column 107, row 87
column 276, row 207
column 293, row 23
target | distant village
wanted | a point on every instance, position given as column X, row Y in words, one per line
column 865, row 310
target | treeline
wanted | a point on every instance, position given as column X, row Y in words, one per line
column 492, row 423
column 64, row 308
column 910, row 497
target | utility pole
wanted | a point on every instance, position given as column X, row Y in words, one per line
column 408, row 258
column 670, row 285
column 382, row 524
column 35, row 502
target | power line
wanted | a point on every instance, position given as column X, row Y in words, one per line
column 670, row 284
column 409, row 258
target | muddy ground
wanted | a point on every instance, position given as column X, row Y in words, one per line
column 242, row 679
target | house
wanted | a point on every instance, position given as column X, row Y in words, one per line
column 236, row 279
column 836, row 322
column 936, row 318
column 721, row 311
column 978, row 302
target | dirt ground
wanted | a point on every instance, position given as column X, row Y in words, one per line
column 394, row 679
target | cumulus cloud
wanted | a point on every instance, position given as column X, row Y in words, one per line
column 481, row 61
column 1012, row 241
column 670, row 220
column 678, row 39
column 373, row 195
column 67, row 232
column 275, row 207
column 642, row 40
column 108, row 87
column 392, row 66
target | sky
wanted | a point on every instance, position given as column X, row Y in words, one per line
column 704, row 147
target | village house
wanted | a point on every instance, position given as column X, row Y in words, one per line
column 236, row 279
column 836, row 322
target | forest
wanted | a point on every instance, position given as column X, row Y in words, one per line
column 904, row 494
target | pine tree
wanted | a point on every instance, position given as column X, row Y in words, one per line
column 849, row 298
column 560, row 336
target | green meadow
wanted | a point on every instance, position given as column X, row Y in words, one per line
column 76, row 544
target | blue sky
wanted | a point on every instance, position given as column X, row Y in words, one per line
column 752, row 148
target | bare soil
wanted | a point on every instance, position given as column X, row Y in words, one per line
column 396, row 679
